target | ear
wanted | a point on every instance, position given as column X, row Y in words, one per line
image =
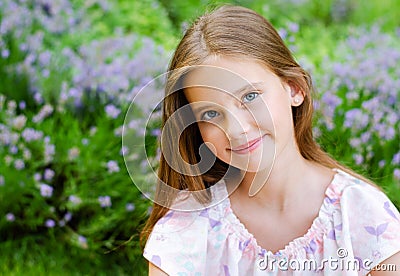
column 295, row 94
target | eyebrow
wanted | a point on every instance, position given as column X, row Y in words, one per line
column 247, row 87
column 238, row 92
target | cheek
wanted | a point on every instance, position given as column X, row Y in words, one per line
column 273, row 114
column 261, row 113
column 214, row 137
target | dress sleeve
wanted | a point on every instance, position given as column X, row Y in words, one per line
column 371, row 224
column 178, row 244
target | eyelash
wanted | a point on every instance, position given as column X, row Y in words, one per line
column 250, row 93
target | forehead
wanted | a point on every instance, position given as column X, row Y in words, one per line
column 225, row 76
column 214, row 78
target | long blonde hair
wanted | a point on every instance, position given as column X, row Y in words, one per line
column 239, row 32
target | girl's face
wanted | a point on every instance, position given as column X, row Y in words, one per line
column 243, row 111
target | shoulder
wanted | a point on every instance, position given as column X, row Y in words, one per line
column 187, row 214
column 358, row 199
column 346, row 187
column 369, row 222
column 178, row 242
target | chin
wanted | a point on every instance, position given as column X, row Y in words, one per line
column 252, row 166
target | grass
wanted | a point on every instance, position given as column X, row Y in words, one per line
column 41, row 255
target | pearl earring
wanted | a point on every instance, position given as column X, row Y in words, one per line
column 296, row 100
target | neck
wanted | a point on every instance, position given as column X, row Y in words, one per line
column 283, row 186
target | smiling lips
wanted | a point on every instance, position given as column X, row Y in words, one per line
column 248, row 147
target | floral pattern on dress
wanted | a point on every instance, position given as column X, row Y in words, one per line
column 355, row 217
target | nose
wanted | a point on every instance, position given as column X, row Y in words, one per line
column 238, row 123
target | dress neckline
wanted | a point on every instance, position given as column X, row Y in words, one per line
column 318, row 225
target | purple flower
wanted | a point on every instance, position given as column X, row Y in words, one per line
column 105, row 201
column 38, row 98
column 67, row 216
column 37, row 177
column 74, row 93
column 2, row 180
column 356, row 118
column 358, row 158
column 23, row 47
column 22, row 105
column 19, row 164
column 46, row 111
column 396, row 159
column 46, row 190
column 293, row 27
column 48, row 174
column 73, row 153
column 19, row 122
column 29, row 134
column 49, row 151
column 332, row 101
column 44, row 58
column 118, row 131
column 11, row 106
column 13, row 149
column 82, row 241
column 353, row 77
column 50, row 223
column 396, row 174
column 365, row 137
column 156, row 132
column 5, row 53
column 124, row 150
column 144, row 166
column 355, row 142
column 74, row 200
column 10, row 217
column 112, row 166
column 282, row 33
column 392, row 118
column 130, row 207
column 112, row 111
column 93, row 131
column 134, row 124
column 387, row 133
column 45, row 73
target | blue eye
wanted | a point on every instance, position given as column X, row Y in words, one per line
column 250, row 96
column 208, row 115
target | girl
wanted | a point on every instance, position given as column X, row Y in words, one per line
column 273, row 201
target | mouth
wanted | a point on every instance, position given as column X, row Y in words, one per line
column 248, row 147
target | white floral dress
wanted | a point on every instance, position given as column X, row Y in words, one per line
column 357, row 228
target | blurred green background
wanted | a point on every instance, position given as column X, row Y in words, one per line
column 69, row 70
